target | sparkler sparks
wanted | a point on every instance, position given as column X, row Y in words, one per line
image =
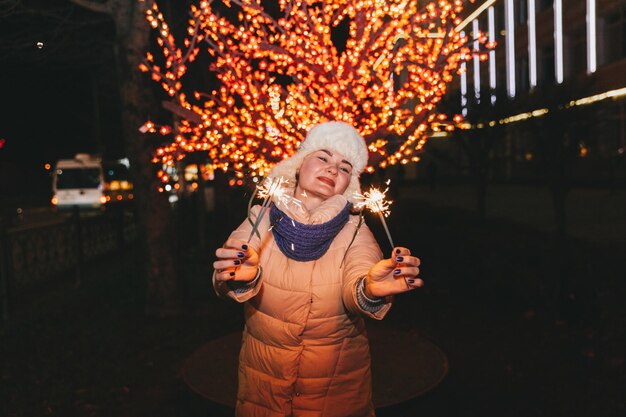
column 277, row 188
column 272, row 189
column 375, row 201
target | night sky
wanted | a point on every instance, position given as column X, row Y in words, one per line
column 50, row 114
column 59, row 88
column 59, row 96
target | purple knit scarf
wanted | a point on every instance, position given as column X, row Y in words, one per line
column 305, row 242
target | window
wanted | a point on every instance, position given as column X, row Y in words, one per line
column 501, row 76
column 546, row 66
column 521, row 12
column 544, row 4
column 499, row 19
column 521, row 74
column 68, row 178
column 613, row 37
column 576, row 54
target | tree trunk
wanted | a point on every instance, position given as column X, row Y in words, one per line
column 156, row 225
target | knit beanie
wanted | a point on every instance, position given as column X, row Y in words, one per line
column 332, row 136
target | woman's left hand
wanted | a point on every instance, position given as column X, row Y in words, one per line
column 394, row 275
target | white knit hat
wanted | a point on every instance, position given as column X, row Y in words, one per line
column 332, row 136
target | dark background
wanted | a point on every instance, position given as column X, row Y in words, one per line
column 532, row 321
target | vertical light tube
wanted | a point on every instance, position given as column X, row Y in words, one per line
column 509, row 26
column 463, row 84
column 558, row 41
column 591, row 36
column 532, row 45
column 476, row 60
column 492, row 53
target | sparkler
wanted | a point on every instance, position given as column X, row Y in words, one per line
column 266, row 190
column 276, row 188
column 374, row 200
column 273, row 188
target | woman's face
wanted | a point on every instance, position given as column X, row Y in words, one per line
column 323, row 174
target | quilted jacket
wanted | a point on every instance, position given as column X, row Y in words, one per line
column 305, row 351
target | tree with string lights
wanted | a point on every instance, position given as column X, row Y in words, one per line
column 381, row 66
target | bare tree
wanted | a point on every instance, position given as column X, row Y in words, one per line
column 478, row 142
column 557, row 142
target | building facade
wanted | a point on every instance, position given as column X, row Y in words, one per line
column 551, row 91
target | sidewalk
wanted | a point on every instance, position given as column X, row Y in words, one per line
column 489, row 303
column 596, row 215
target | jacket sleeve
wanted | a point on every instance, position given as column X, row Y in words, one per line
column 362, row 254
column 242, row 293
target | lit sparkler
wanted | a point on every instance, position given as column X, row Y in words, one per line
column 375, row 201
column 265, row 191
column 272, row 189
column 278, row 192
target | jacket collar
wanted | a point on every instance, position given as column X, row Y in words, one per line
column 326, row 211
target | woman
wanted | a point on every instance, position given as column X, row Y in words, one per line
column 307, row 281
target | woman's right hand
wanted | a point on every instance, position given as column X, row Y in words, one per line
column 394, row 275
column 236, row 261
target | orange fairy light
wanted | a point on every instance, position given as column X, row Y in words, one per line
column 281, row 75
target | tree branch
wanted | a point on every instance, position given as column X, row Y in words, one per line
column 182, row 112
column 94, row 6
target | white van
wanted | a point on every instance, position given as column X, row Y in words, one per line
column 78, row 182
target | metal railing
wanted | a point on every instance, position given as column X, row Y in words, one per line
column 34, row 255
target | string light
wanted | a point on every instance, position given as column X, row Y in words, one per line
column 280, row 76
column 614, row 94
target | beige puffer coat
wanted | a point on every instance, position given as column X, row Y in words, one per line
column 305, row 352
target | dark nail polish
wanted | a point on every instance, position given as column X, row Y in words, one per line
column 232, row 274
column 399, row 259
column 396, row 272
column 240, row 254
column 237, row 261
column 244, row 247
column 397, row 250
column 411, row 281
